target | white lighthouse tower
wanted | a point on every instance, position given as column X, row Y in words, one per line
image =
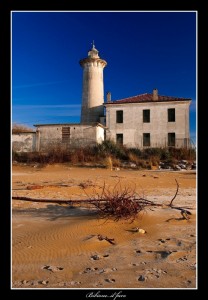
column 92, row 87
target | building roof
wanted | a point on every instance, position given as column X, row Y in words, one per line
column 22, row 132
column 57, row 124
column 142, row 98
column 70, row 124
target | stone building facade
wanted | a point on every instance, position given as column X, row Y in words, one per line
column 148, row 120
column 24, row 141
column 50, row 136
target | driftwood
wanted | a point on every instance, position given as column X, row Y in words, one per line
column 70, row 202
column 117, row 204
column 101, row 237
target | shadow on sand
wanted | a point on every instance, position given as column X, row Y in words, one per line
column 53, row 212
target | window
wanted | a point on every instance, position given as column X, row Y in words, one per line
column 119, row 138
column 146, row 139
column 171, row 139
column 119, row 116
column 171, row 114
column 146, row 116
column 65, row 134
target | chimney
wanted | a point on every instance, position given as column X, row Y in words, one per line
column 108, row 96
column 155, row 95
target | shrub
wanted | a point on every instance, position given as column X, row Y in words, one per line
column 109, row 147
column 18, row 128
column 151, row 152
column 165, row 154
column 133, row 157
column 135, row 151
column 116, row 162
column 108, row 154
column 108, row 162
column 155, row 160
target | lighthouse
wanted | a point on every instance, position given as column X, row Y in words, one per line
column 92, row 87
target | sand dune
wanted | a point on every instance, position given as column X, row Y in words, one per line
column 55, row 246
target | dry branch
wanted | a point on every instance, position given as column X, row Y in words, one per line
column 71, row 202
column 175, row 193
column 101, row 237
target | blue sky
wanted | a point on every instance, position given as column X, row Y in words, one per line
column 144, row 50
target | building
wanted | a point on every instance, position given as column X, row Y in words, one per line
column 146, row 120
column 50, row 136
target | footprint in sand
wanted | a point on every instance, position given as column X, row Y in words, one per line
column 110, row 280
column 32, row 282
column 161, row 254
column 107, row 270
column 193, row 266
column 89, row 270
column 52, row 268
column 97, row 257
column 44, row 282
column 134, row 264
column 25, row 282
column 98, row 271
column 141, row 278
column 152, row 274
column 98, row 284
column 184, row 258
column 162, row 241
column 138, row 251
column 75, row 282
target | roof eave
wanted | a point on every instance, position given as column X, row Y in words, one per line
column 146, row 101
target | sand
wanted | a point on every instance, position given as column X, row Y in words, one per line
column 57, row 246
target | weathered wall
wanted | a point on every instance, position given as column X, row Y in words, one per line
column 80, row 135
column 100, row 134
column 133, row 127
column 23, row 142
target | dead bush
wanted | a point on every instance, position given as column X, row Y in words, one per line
column 18, row 128
column 133, row 158
column 117, row 203
column 116, row 162
column 108, row 162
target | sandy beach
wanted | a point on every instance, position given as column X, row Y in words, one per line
column 57, row 246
